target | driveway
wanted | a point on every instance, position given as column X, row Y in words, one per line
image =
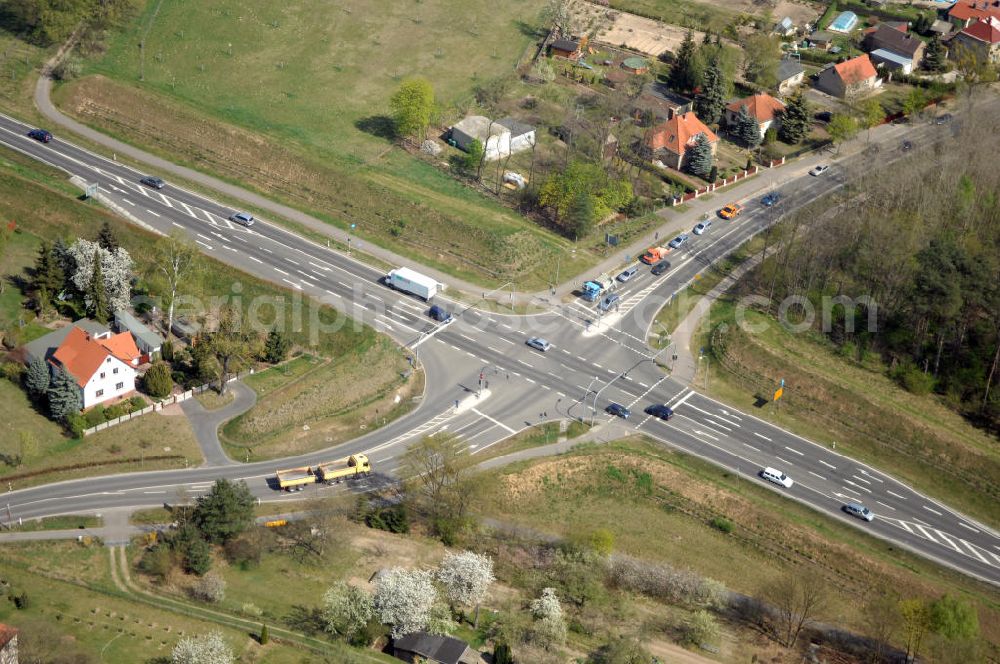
column 206, row 423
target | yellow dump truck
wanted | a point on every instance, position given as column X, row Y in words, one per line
column 295, row 479
column 356, row 465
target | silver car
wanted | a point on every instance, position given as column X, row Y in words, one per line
column 539, row 344
column 242, row 218
column 859, row 510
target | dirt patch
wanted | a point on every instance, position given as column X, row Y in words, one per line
column 675, row 654
column 636, row 33
column 799, row 12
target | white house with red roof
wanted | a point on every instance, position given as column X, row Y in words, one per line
column 964, row 13
column 762, row 106
column 981, row 37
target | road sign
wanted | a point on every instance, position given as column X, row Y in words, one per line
column 778, row 392
column 91, row 190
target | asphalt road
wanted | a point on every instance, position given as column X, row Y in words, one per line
column 596, row 359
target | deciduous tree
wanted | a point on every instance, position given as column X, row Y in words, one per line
column 761, row 56
column 115, row 268
column 437, row 481
column 347, row 609
column 842, row 127
column 208, row 648
column 872, row 115
column 412, row 107
column 466, row 577
column 797, row 600
column 177, row 262
column 549, row 628
column 404, row 599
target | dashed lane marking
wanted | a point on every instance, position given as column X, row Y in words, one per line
column 784, row 461
column 828, row 465
column 280, row 271
column 760, row 435
column 755, row 449
column 817, row 475
column 794, row 451
column 155, row 214
column 931, row 510
column 967, row 526
column 895, row 495
column 886, row 506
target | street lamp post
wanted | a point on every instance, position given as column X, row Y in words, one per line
column 593, row 408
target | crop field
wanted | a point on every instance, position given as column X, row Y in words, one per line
column 290, row 99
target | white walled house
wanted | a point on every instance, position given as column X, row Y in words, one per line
column 104, row 368
column 499, row 138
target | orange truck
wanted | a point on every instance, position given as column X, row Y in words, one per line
column 295, row 479
column 654, row 255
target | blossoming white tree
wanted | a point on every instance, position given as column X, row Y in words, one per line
column 466, row 578
column 208, row 648
column 346, row 609
column 550, row 626
column 403, row 599
column 116, row 269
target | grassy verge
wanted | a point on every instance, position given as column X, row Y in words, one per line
column 638, row 488
column 59, row 523
column 313, row 402
column 832, row 397
column 536, row 436
column 212, row 400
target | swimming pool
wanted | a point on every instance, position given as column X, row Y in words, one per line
column 845, row 22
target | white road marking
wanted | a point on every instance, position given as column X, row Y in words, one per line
column 494, row 421
column 816, row 475
column 176, row 224
column 895, row 495
column 965, row 525
column 855, row 484
column 152, row 213
column 751, row 447
column 861, row 479
column 683, row 399
column 465, row 336
column 760, row 435
column 696, row 431
column 495, row 350
column 828, row 465
column 932, row 511
column 293, row 262
column 529, row 380
column 974, row 551
column 125, row 200
column 783, row 461
column 794, row 451
column 166, row 201
column 265, row 249
column 948, row 541
column 926, row 534
column 207, row 246
column 886, row 506
column 279, row 270
column 526, row 364
column 330, row 292
column 290, row 283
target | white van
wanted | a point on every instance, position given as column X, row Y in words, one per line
column 778, row 477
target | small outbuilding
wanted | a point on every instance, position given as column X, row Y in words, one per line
column 790, row 74
column 635, row 65
column 433, row 648
column 499, row 138
column 147, row 341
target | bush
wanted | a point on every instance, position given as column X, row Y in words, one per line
column 75, row 424
column 701, row 628
column 95, row 416
column 13, row 371
column 197, row 556
column 157, row 562
column 157, row 381
column 666, row 583
column 721, row 524
column 137, row 403
column 251, row 609
column 21, row 601
column 915, row 380
column 243, row 552
column 167, row 350
column 394, row 519
column 210, row 588
column 117, row 410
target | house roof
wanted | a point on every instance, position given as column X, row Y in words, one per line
column 678, row 133
column 664, row 95
column 43, row 347
column 965, row 10
column 138, row 329
column 941, row 27
column 566, row 45
column 761, row 106
column 890, row 38
column 442, row 649
column 821, row 36
column 856, row 70
column 80, row 355
column 888, row 56
column 787, row 68
column 785, row 23
column 7, row 633
column 516, row 127
column 477, row 126
column 122, row 346
column 984, row 30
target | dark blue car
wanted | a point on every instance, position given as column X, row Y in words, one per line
column 770, row 199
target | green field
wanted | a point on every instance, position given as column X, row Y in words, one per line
column 695, row 14
column 832, row 398
column 257, row 93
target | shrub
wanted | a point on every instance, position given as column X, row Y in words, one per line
column 701, row 628
column 243, row 551
column 721, row 524
column 210, row 588
column 916, row 381
column 167, row 350
column 95, row 416
column 394, row 519
column 265, row 637
column 157, row 380
column 137, row 403
column 75, row 424
column 251, row 609
column 21, row 601
column 157, row 562
column 117, row 410
column 197, row 556
column 13, row 371
column 666, row 583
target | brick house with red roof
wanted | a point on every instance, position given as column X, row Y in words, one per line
column 851, row 78
column 982, row 38
column 8, row 644
column 966, row 12
column 670, row 141
column 762, row 106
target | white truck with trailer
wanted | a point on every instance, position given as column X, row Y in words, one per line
column 409, row 281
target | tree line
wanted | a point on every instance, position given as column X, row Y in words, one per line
column 47, row 22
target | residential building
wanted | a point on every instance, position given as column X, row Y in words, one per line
column 671, row 141
column 499, row 139
column 568, row 48
column 657, row 103
column 147, row 341
column 8, row 644
column 964, row 13
column 434, row 649
column 982, row 38
column 880, row 57
column 790, row 74
column 890, row 38
column 849, row 79
column 762, row 106
column 43, row 347
column 102, row 364
column 522, row 135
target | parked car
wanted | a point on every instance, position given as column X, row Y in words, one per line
column 776, row 476
column 628, row 273
column 609, row 301
column 40, row 135
column 702, row 227
column 660, row 268
column 731, row 211
column 242, row 218
column 678, row 241
column 860, row 511
column 539, row 344
column 770, row 199
column 155, row 183
column 659, row 410
column 942, row 119
column 819, row 170
column 618, row 410
column 907, row 146
column 440, row 314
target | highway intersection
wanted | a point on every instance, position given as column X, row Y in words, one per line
column 595, row 360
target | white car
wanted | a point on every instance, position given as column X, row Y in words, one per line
column 819, row 170
column 776, row 476
column 702, row 227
